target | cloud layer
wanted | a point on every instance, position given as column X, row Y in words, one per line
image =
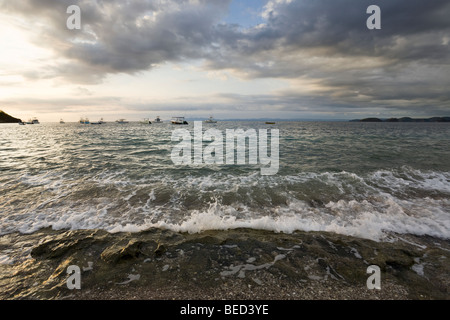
column 322, row 48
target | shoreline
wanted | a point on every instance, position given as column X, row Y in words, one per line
column 239, row 264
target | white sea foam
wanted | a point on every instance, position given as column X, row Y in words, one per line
column 368, row 207
column 414, row 179
column 355, row 219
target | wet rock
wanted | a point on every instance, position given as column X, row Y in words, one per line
column 314, row 265
column 160, row 249
column 123, row 250
column 53, row 249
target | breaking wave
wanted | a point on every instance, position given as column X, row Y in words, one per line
column 371, row 205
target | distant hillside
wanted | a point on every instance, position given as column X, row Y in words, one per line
column 405, row 119
column 6, row 118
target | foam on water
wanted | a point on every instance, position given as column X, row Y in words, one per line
column 81, row 178
column 372, row 215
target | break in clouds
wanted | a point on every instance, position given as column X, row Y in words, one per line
column 322, row 48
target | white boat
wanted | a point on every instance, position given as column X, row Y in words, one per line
column 33, row 121
column 99, row 122
column 84, row 121
column 211, row 120
column 158, row 120
column 178, row 121
column 146, row 121
column 122, row 121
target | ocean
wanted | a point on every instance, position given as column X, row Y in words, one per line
column 359, row 179
column 370, row 181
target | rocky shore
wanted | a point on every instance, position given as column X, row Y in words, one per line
column 236, row 265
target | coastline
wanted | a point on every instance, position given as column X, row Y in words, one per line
column 239, row 264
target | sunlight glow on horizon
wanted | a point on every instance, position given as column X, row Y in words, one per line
column 234, row 59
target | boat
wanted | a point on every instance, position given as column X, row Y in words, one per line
column 21, row 123
column 84, row 121
column 146, row 121
column 33, row 121
column 178, row 121
column 99, row 122
column 121, row 121
column 158, row 120
column 211, row 120
column 269, row 122
column 61, row 121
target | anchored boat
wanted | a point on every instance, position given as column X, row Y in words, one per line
column 178, row 121
column 146, row 121
column 99, row 122
column 33, row 121
column 158, row 120
column 211, row 120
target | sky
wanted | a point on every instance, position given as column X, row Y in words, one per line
column 233, row 59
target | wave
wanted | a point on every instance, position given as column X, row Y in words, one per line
column 372, row 205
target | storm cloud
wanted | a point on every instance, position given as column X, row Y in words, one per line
column 121, row 37
column 327, row 42
column 322, row 43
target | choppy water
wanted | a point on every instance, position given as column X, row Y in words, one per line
column 360, row 179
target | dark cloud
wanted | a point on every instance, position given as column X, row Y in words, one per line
column 411, row 30
column 119, row 36
column 341, row 26
column 403, row 65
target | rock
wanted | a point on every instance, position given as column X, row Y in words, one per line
column 122, row 250
column 6, row 118
column 53, row 249
column 313, row 265
column 404, row 119
column 160, row 249
column 371, row 120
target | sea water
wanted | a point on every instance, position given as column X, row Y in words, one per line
column 368, row 180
